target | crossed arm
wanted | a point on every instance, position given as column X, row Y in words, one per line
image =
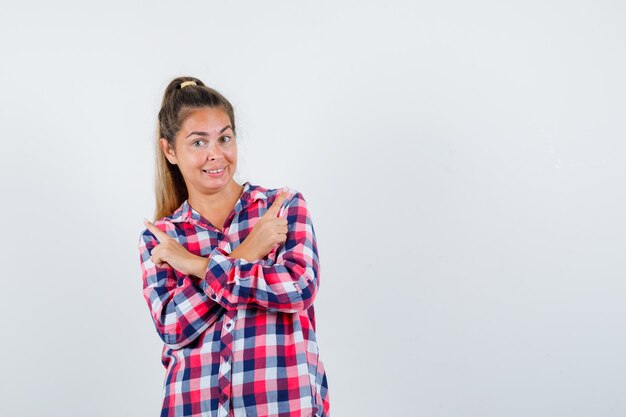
column 182, row 311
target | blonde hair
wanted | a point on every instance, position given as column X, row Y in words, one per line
column 170, row 189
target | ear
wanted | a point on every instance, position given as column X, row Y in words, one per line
column 168, row 151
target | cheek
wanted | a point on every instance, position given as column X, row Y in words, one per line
column 196, row 158
column 191, row 162
column 232, row 154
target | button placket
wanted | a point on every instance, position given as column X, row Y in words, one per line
column 225, row 369
column 224, row 242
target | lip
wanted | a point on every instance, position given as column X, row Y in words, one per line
column 206, row 171
column 211, row 169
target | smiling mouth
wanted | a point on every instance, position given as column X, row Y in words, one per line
column 214, row 171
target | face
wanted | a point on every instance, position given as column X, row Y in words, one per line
column 205, row 141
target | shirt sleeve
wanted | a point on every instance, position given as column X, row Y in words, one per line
column 180, row 310
column 287, row 285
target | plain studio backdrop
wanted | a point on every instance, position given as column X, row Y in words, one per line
column 464, row 164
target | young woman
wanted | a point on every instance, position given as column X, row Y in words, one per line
column 230, row 272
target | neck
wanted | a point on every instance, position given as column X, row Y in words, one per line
column 221, row 199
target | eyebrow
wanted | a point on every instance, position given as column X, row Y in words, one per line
column 201, row 133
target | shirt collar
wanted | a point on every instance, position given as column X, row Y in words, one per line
column 251, row 193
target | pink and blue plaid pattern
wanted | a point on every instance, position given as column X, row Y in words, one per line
column 239, row 341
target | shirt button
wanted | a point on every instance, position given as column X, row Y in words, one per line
column 220, row 236
column 213, row 296
column 228, row 325
column 224, row 397
column 226, row 358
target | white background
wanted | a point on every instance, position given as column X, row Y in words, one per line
column 464, row 164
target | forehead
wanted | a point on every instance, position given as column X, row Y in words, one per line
column 208, row 119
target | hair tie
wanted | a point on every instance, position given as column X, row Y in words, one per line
column 186, row 83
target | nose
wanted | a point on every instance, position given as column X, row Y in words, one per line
column 214, row 151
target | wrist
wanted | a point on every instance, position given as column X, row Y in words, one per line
column 201, row 266
column 240, row 252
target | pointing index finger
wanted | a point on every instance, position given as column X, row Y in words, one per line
column 160, row 234
column 278, row 202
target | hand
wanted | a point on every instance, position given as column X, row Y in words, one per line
column 268, row 232
column 170, row 254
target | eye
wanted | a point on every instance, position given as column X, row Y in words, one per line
column 224, row 137
column 197, row 141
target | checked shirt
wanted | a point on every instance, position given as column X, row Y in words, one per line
column 240, row 340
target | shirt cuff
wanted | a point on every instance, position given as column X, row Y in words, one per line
column 217, row 272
